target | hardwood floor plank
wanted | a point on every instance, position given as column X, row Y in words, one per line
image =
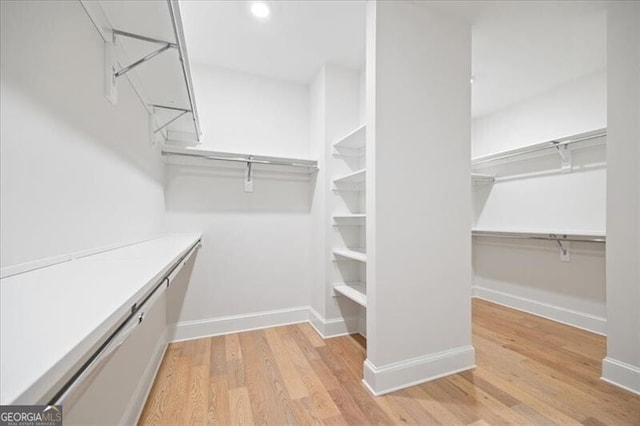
column 337, row 421
column 264, row 404
column 197, row 403
column 312, row 335
column 218, row 357
column 363, row 399
column 155, row 406
column 218, row 408
column 232, row 347
column 395, row 411
column 323, row 406
column 290, row 376
column 484, row 400
column 441, row 412
column 415, row 410
column 178, row 390
column 278, row 392
column 240, row 404
column 347, row 406
column 531, row 371
column 532, row 416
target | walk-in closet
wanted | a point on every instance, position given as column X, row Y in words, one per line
column 330, row 212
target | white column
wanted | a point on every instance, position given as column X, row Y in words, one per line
column 622, row 364
column 418, row 195
column 334, row 95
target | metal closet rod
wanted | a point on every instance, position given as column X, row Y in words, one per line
column 541, row 236
column 248, row 159
column 541, row 147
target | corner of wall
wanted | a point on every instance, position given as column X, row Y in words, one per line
column 381, row 380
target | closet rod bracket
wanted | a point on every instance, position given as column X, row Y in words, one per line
column 248, row 177
column 111, row 62
column 180, row 114
column 564, row 248
column 566, row 165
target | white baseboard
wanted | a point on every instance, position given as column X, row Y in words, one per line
column 403, row 374
column 189, row 330
column 132, row 413
column 581, row 320
column 621, row 374
column 333, row 327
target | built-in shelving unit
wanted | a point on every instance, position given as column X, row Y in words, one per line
column 349, row 232
column 354, row 291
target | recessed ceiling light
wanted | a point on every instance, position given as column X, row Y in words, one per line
column 260, row 9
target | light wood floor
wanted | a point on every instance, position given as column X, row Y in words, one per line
column 530, row 371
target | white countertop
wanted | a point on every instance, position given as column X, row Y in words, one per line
column 52, row 318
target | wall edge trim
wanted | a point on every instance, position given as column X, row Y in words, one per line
column 400, row 375
column 581, row 320
column 621, row 374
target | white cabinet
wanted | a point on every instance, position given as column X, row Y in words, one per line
column 117, row 393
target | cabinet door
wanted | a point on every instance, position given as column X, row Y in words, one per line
column 118, row 391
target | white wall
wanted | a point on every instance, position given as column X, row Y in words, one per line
column 533, row 196
column 574, row 107
column 251, row 114
column 76, row 172
column 622, row 364
column 418, row 195
column 319, row 210
column 256, row 247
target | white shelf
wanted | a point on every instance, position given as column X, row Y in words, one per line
column 352, row 144
column 546, row 234
column 355, row 291
column 164, row 81
column 597, row 136
column 195, row 156
column 350, row 219
column 480, row 178
column 350, row 216
column 358, row 176
column 358, row 254
column 352, row 182
column 70, row 308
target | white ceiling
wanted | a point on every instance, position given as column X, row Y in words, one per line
column 524, row 48
column 291, row 45
column 520, row 48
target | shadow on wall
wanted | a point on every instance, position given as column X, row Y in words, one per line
column 548, row 163
column 510, row 266
column 221, row 189
column 56, row 67
column 178, row 290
